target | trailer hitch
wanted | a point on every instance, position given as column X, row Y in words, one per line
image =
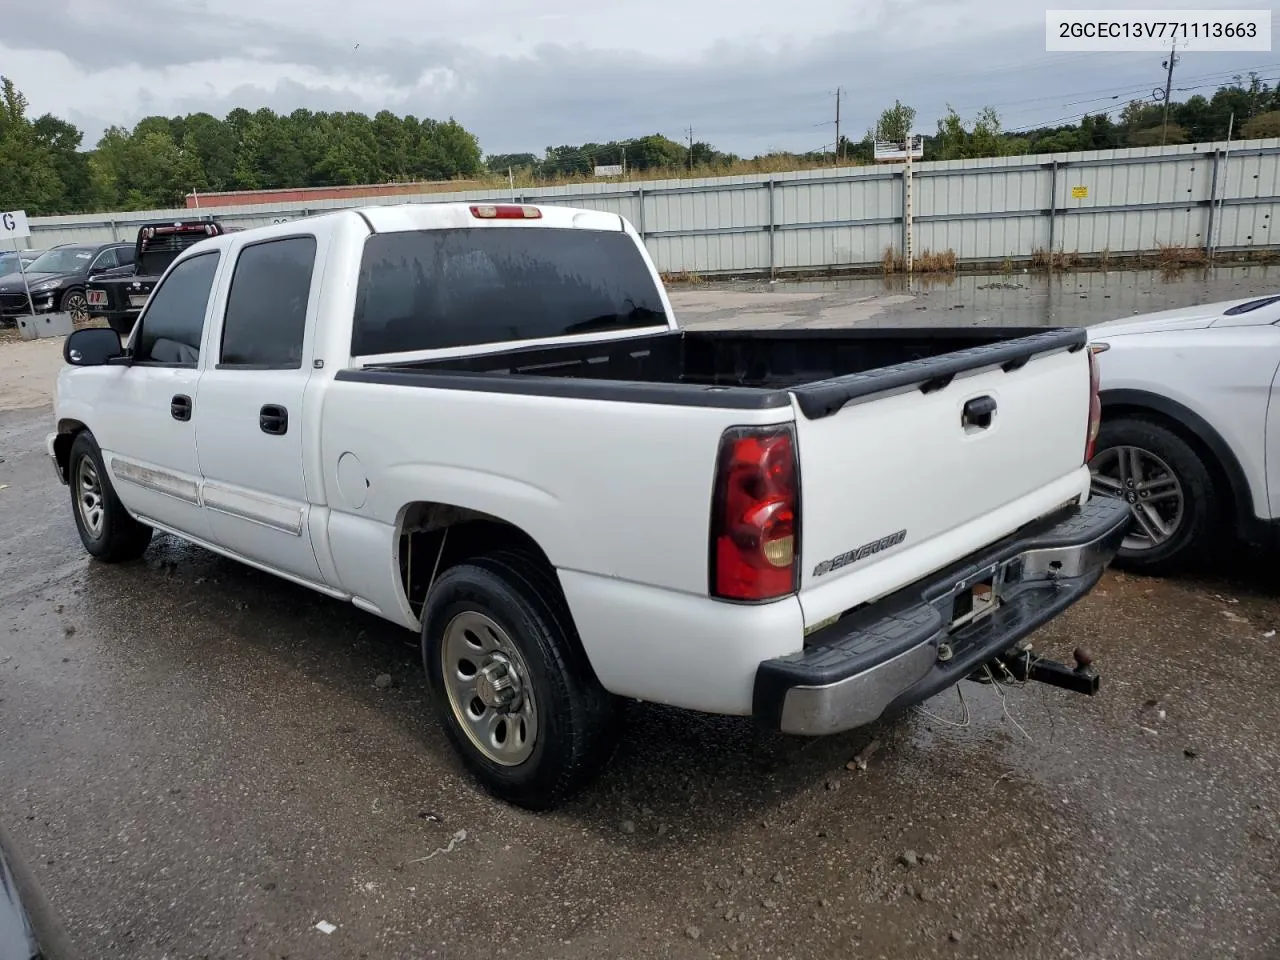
column 1021, row 664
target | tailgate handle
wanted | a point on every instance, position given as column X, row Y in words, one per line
column 978, row 412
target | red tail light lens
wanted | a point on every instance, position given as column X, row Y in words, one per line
column 505, row 211
column 1095, row 401
column 755, row 515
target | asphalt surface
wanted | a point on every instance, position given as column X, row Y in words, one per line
column 198, row 762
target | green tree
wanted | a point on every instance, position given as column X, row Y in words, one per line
column 214, row 143
column 29, row 177
column 1263, row 125
column 896, row 123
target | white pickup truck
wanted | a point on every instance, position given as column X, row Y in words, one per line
column 483, row 423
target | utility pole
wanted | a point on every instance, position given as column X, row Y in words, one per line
column 837, row 126
column 690, row 131
column 1168, row 89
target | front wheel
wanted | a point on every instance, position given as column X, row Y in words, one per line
column 74, row 303
column 1168, row 487
column 106, row 529
column 513, row 687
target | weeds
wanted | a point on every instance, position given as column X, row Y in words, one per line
column 928, row 261
column 1042, row 259
column 525, row 178
column 1175, row 255
column 891, row 261
column 1104, row 259
column 686, row 277
column 941, row 261
column 1006, row 266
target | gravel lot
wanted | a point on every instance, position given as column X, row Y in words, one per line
column 203, row 761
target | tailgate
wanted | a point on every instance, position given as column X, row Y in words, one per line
column 118, row 294
column 895, row 484
column 134, row 297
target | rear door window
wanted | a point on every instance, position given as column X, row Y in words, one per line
column 432, row 289
column 267, row 306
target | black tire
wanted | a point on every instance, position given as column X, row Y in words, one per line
column 577, row 718
column 117, row 537
column 1202, row 502
column 74, row 303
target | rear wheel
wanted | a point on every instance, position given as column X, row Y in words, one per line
column 1168, row 487
column 106, row 529
column 513, row 687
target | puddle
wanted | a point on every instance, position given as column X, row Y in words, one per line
column 1018, row 299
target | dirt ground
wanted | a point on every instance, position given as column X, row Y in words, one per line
column 28, row 369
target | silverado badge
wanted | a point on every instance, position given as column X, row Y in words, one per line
column 853, row 556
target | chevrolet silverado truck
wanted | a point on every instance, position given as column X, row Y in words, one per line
column 483, row 423
column 118, row 295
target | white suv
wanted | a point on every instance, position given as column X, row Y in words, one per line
column 1190, row 431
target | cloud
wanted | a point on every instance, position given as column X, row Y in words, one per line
column 747, row 78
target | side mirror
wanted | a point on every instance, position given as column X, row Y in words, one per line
column 93, row 347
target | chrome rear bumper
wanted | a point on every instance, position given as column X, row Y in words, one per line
column 913, row 644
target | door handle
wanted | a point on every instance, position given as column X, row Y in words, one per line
column 273, row 419
column 180, row 407
column 977, row 413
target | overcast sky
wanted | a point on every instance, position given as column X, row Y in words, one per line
column 747, row 75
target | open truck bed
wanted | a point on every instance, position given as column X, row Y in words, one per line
column 823, row 369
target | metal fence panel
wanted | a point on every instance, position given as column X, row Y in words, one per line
column 1115, row 201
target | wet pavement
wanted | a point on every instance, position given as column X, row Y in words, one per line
column 198, row 762
column 1020, row 299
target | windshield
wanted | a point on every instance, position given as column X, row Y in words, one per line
column 8, row 264
column 62, row 260
column 430, row 289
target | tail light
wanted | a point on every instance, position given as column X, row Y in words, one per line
column 755, row 515
column 1095, row 401
column 505, row 211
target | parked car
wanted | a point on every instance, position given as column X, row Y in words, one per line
column 483, row 423
column 9, row 260
column 117, row 295
column 29, row 928
column 1190, row 434
column 57, row 277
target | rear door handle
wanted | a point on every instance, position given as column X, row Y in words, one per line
column 180, row 407
column 273, row 419
column 977, row 413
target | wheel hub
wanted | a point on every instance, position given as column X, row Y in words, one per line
column 1146, row 482
column 490, row 693
column 497, row 685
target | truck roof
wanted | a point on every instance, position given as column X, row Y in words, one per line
column 441, row 216
column 397, row 218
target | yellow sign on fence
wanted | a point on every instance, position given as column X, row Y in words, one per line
column 1079, row 193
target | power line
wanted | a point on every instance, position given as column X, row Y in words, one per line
column 1088, row 113
column 1114, row 93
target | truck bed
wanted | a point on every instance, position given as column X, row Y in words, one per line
column 823, row 369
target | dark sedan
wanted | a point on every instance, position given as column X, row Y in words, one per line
column 56, row 278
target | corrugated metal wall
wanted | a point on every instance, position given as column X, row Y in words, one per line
column 1114, row 201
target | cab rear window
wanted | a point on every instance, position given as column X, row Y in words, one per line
column 434, row 289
